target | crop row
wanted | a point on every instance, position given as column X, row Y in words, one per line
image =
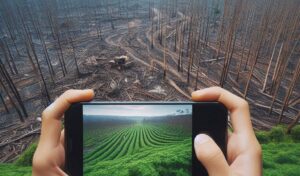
column 130, row 140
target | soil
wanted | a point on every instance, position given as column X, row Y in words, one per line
column 142, row 80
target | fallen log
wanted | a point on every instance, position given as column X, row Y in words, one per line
column 173, row 84
column 36, row 131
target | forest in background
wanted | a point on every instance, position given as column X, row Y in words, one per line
column 173, row 47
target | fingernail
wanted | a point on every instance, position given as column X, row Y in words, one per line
column 201, row 138
column 193, row 93
column 196, row 92
column 88, row 90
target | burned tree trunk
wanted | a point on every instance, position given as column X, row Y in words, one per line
column 74, row 55
column 29, row 44
column 12, row 101
column 10, row 83
column 290, row 91
column 3, row 102
column 294, row 123
column 47, row 58
column 7, row 60
column 165, row 59
column 11, row 58
column 12, row 36
column 221, row 30
column 251, row 15
column 261, row 38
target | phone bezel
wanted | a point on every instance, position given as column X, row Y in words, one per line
column 214, row 124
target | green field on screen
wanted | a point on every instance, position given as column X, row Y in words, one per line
column 134, row 140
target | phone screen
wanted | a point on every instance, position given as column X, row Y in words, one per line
column 137, row 140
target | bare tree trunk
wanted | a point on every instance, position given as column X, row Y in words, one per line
column 6, row 57
column 37, row 30
column 198, row 68
column 29, row 44
column 220, row 33
column 165, row 59
column 180, row 51
column 281, row 70
column 231, row 42
column 12, row 102
column 152, row 33
column 61, row 54
column 74, row 55
column 228, row 61
column 268, row 70
column 12, row 87
column 294, row 123
column 50, row 19
column 176, row 37
column 12, row 37
column 255, row 60
column 189, row 38
column 3, row 102
column 276, row 66
column 11, row 58
column 290, row 91
column 244, row 45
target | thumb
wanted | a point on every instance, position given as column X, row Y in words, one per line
column 210, row 155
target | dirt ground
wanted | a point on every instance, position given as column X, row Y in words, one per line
column 142, row 80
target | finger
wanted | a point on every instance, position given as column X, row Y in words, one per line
column 229, row 133
column 62, row 137
column 210, row 155
column 238, row 107
column 61, row 104
column 59, row 171
column 51, row 118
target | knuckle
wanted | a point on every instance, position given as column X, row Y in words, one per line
column 258, row 150
column 210, row 153
column 244, row 104
column 217, row 88
column 38, row 163
column 45, row 114
column 68, row 92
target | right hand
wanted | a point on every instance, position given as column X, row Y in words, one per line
column 243, row 150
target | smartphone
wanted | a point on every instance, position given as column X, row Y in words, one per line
column 141, row 138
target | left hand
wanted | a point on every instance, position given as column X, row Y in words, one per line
column 49, row 157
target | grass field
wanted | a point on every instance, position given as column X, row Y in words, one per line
column 139, row 149
column 280, row 157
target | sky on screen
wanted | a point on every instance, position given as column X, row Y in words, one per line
column 136, row 110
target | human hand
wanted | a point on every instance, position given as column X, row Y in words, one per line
column 49, row 157
column 243, row 150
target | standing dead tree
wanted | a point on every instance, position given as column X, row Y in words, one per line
column 7, row 57
column 260, row 38
column 284, row 58
column 290, row 91
column 74, row 55
column 231, row 41
column 3, row 102
column 221, row 28
column 191, row 42
column 51, row 9
column 6, row 12
column 249, row 22
column 279, row 17
column 30, row 47
column 6, row 77
column 294, row 123
column 45, row 51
